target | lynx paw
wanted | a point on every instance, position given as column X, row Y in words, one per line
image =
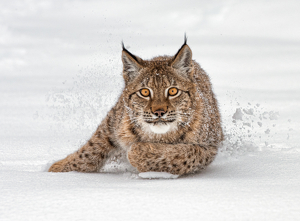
column 60, row 166
column 145, row 158
column 136, row 156
column 150, row 157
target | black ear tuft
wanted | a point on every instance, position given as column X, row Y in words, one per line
column 123, row 47
column 185, row 39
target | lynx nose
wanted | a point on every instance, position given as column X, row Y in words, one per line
column 159, row 112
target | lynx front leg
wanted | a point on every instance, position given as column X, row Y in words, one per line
column 88, row 158
column 176, row 159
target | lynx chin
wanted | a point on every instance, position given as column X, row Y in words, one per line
column 166, row 119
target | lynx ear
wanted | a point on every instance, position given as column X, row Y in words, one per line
column 182, row 61
column 131, row 65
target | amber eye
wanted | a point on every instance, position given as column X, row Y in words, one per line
column 145, row 92
column 173, row 91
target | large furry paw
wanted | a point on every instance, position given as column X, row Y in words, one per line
column 138, row 155
column 175, row 159
column 60, row 166
column 146, row 157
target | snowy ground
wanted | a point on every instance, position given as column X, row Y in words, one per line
column 60, row 74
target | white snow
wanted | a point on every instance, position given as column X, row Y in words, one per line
column 238, row 115
column 60, row 73
column 157, row 175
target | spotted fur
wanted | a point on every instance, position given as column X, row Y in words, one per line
column 191, row 118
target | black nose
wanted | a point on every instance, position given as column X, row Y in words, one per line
column 159, row 112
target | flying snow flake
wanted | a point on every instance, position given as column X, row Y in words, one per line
column 273, row 115
column 247, row 124
column 250, row 111
column 238, row 115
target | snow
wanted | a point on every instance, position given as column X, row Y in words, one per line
column 157, row 175
column 60, row 72
column 238, row 115
column 249, row 187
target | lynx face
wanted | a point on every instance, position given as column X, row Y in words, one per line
column 160, row 91
column 161, row 101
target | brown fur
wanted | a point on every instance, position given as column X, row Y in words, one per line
column 195, row 135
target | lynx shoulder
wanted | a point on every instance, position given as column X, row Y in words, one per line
column 166, row 119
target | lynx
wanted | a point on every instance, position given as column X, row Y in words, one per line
column 166, row 119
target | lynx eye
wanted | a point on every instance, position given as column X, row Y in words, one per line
column 145, row 92
column 173, row 91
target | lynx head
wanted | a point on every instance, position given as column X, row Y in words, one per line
column 159, row 92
